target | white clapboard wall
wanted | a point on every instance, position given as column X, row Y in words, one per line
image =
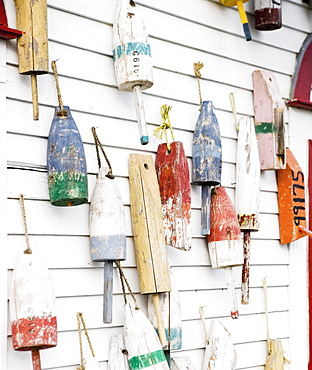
column 182, row 32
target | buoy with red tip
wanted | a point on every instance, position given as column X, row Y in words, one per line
column 132, row 58
column 268, row 15
column 32, row 303
column 174, row 185
column 247, row 192
column 225, row 243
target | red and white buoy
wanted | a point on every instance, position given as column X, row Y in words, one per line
column 32, row 306
column 224, row 241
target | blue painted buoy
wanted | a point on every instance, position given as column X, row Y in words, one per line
column 66, row 163
column 207, row 158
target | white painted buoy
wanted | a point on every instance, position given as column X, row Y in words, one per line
column 107, row 232
column 132, row 57
column 142, row 343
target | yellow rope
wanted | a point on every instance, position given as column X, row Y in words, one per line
column 28, row 249
column 162, row 129
column 80, row 321
column 197, row 67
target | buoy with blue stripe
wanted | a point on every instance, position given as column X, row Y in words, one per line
column 66, row 162
column 132, row 58
column 107, row 228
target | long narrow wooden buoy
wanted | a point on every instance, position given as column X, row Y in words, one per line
column 31, row 18
column 207, row 158
column 32, row 302
column 247, row 194
column 148, row 232
column 224, row 241
column 66, row 162
column 132, row 58
column 107, row 228
column 269, row 121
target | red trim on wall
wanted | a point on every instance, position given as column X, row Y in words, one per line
column 310, row 252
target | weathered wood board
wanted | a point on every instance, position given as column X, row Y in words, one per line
column 269, row 120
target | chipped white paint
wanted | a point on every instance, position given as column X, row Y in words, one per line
column 117, row 357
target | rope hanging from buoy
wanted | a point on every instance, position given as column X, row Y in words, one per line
column 162, row 129
column 124, row 281
column 197, row 67
column 28, row 249
column 233, row 106
column 97, row 146
column 63, row 112
column 80, row 320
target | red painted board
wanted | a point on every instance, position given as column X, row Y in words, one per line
column 175, row 191
column 6, row 33
column 291, row 200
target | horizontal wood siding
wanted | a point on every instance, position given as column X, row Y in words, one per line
column 181, row 33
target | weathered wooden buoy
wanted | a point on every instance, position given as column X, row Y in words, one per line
column 207, row 158
column 269, row 121
column 32, row 302
column 268, row 15
column 291, row 201
column 171, row 314
column 220, row 353
column 224, row 241
column 107, row 228
column 132, row 58
column 247, row 194
column 242, row 14
column 117, row 356
column 66, row 162
column 175, row 192
column 300, row 92
column 32, row 45
column 142, row 343
column 6, row 33
column 148, row 232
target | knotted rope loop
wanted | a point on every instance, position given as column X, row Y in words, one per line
column 28, row 249
column 80, row 320
column 197, row 67
column 63, row 112
column 162, row 129
column 97, row 146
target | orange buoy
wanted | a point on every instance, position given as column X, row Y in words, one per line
column 291, row 201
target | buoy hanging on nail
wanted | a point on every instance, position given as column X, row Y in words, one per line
column 132, row 58
column 242, row 14
column 32, row 302
column 32, row 45
column 66, row 162
column 268, row 15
